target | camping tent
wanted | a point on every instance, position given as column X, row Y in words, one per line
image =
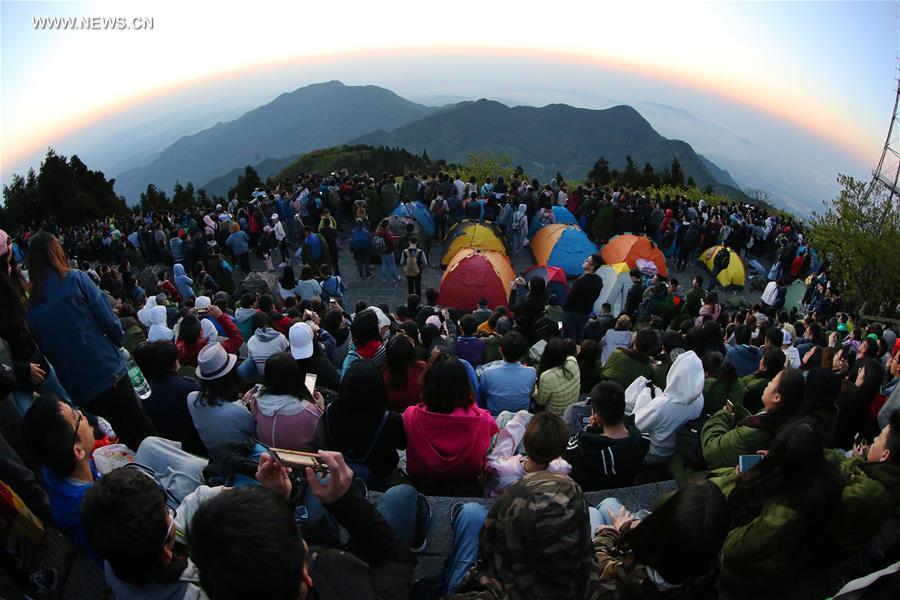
column 794, row 296
column 561, row 215
column 420, row 213
column 470, row 234
column 473, row 274
column 553, row 276
column 616, row 283
column 563, row 246
column 627, row 248
column 732, row 277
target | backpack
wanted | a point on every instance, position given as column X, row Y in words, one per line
column 439, row 210
column 647, row 307
column 332, row 288
column 360, row 240
column 688, row 445
column 722, row 260
column 380, row 244
column 314, row 245
column 411, row 268
column 517, row 224
column 490, row 211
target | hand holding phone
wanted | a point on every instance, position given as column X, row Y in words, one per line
column 746, row 461
column 310, row 383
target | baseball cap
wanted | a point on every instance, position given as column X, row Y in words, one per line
column 301, row 338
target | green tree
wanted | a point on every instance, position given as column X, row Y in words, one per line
column 599, row 173
column 486, row 165
column 648, row 176
column 245, row 185
column 64, row 190
column 859, row 234
column 630, row 176
column 155, row 199
column 676, row 175
column 691, row 183
column 183, row 196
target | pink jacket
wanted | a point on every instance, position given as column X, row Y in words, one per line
column 447, row 447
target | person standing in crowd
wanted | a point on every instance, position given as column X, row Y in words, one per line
column 77, row 330
column 581, row 298
column 413, row 261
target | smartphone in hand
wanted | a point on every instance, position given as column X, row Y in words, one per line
column 746, row 461
column 311, row 383
column 298, row 461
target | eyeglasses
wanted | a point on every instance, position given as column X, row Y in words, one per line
column 77, row 425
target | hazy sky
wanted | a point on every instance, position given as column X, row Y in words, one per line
column 827, row 70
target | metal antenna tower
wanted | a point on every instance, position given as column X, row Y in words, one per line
column 887, row 173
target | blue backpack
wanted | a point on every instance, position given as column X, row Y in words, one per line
column 360, row 240
column 314, row 245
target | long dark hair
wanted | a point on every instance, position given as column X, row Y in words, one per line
column 796, row 473
column 790, row 385
column 45, row 257
column 12, row 295
column 720, row 370
column 216, row 392
column 288, row 281
column 555, row 354
column 283, row 377
column 773, row 363
column 445, row 384
column 693, row 523
column 401, row 356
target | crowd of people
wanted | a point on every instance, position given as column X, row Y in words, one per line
column 780, row 425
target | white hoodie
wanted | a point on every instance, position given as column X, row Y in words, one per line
column 158, row 329
column 143, row 314
column 661, row 414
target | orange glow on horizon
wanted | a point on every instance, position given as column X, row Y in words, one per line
column 816, row 122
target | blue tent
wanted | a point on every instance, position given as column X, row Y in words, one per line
column 421, row 214
column 561, row 214
column 562, row 246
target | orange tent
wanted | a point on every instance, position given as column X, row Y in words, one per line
column 627, row 248
column 473, row 274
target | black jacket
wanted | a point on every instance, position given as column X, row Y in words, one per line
column 633, row 299
column 167, row 408
column 583, row 294
column 381, row 565
column 601, row 463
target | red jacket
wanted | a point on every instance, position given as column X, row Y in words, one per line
column 187, row 353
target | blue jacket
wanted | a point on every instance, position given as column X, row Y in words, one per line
column 79, row 333
column 65, row 497
column 183, row 282
column 744, row 358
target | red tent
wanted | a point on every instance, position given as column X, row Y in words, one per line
column 473, row 274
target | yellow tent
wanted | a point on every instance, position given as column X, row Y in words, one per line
column 734, row 276
column 472, row 235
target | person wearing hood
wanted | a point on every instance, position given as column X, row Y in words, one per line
column 742, row 354
column 359, row 425
column 159, row 331
column 518, row 228
column 264, row 342
column 243, row 314
column 286, row 412
column 184, row 283
column 662, row 413
column 143, row 314
column 792, row 355
column 447, row 434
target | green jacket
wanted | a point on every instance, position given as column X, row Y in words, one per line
column 723, row 443
column 763, row 555
column 693, row 300
column 623, row 368
column 134, row 335
column 714, row 396
column 868, row 500
column 754, row 387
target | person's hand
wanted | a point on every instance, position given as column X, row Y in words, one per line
column 620, row 519
column 319, row 399
column 860, row 377
column 729, row 408
column 36, row 374
column 274, row 476
column 214, row 311
column 809, row 354
column 832, row 339
column 340, row 476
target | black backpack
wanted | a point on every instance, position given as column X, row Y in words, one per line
column 723, row 259
column 688, row 445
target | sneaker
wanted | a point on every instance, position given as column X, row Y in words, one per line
column 454, row 512
column 418, row 544
column 282, row 265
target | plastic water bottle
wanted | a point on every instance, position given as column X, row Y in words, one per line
column 141, row 387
